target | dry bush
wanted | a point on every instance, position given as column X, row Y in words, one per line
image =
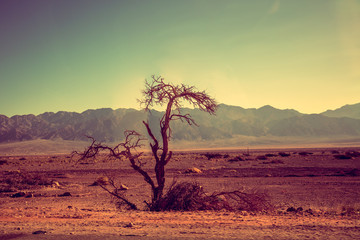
column 353, row 154
column 342, row 156
column 261, row 157
column 349, row 211
column 2, row 162
column 186, row 196
column 284, row 154
column 22, row 180
column 305, row 153
column 270, row 155
column 212, row 155
column 236, row 159
column 347, row 155
column 353, row 172
column 246, row 201
column 181, row 197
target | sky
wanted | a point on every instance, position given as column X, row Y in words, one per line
column 74, row 55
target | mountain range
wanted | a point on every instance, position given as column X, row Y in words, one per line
column 108, row 125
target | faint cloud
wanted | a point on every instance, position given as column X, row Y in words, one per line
column 275, row 7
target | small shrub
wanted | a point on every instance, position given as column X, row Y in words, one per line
column 348, row 211
column 65, row 194
column 342, row 156
column 283, row 154
column 354, row 172
column 2, row 162
column 187, row 196
column 270, row 155
column 297, row 210
column 182, row 197
column 305, row 153
column 347, row 155
column 24, row 180
column 18, row 194
column 291, row 209
column 353, row 154
column 245, row 201
column 236, row 159
column 262, row 157
column 274, row 162
column 212, row 155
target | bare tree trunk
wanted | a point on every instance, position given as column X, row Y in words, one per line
column 160, row 178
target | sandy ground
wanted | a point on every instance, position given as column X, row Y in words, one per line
column 318, row 181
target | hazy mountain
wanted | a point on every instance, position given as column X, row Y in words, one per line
column 102, row 124
column 350, row 111
column 108, row 125
column 314, row 125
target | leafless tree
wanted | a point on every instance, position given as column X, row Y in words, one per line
column 157, row 92
column 172, row 97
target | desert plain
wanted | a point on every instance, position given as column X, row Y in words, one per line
column 315, row 194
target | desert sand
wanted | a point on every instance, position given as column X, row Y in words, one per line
column 323, row 187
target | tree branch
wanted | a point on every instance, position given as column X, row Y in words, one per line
column 187, row 117
column 155, row 146
column 132, row 142
column 117, row 195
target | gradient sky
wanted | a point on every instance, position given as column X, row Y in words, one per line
column 73, row 55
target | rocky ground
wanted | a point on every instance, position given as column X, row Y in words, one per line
column 315, row 193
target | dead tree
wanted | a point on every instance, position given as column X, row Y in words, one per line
column 157, row 92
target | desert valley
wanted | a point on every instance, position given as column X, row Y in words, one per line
column 313, row 189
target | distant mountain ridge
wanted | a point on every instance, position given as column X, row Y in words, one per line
column 108, row 125
column 350, row 111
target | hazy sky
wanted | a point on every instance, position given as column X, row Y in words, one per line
column 73, row 55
